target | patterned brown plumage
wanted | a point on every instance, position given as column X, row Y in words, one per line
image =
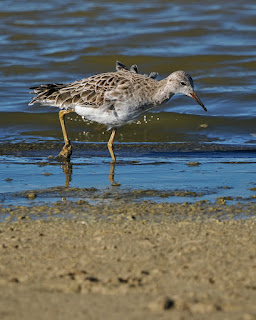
column 90, row 92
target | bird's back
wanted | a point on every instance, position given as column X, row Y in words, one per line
column 97, row 91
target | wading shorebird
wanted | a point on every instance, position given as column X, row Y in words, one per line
column 113, row 98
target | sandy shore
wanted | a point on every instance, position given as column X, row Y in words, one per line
column 164, row 261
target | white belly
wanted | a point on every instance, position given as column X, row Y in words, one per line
column 110, row 118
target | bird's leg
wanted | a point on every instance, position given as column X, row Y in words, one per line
column 110, row 145
column 67, row 148
column 112, row 173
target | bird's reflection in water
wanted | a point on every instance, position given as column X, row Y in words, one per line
column 111, row 175
column 67, row 168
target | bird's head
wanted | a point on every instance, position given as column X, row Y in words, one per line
column 181, row 82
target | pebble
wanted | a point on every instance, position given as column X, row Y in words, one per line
column 161, row 303
column 31, row 195
column 193, row 164
column 46, row 173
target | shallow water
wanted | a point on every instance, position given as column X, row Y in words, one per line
column 62, row 41
column 166, row 176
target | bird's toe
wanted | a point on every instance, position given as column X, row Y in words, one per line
column 65, row 153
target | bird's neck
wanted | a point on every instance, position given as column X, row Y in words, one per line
column 163, row 92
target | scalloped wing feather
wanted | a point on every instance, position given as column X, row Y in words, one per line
column 98, row 91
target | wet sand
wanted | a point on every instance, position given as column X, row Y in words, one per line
column 80, row 149
column 128, row 261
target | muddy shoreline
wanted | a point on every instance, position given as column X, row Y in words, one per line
column 130, row 261
column 23, row 149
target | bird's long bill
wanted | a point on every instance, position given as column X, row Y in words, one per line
column 195, row 97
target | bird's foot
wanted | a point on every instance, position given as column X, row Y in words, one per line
column 65, row 153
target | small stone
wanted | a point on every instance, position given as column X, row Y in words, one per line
column 131, row 217
column 92, row 279
column 31, row 195
column 221, row 200
column 161, row 303
column 81, row 202
column 46, row 174
column 211, row 280
column 193, row 163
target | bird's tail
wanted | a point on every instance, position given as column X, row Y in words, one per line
column 45, row 92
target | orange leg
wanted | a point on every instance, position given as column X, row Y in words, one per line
column 67, row 148
column 112, row 173
column 110, row 145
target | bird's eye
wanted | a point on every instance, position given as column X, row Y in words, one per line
column 182, row 83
